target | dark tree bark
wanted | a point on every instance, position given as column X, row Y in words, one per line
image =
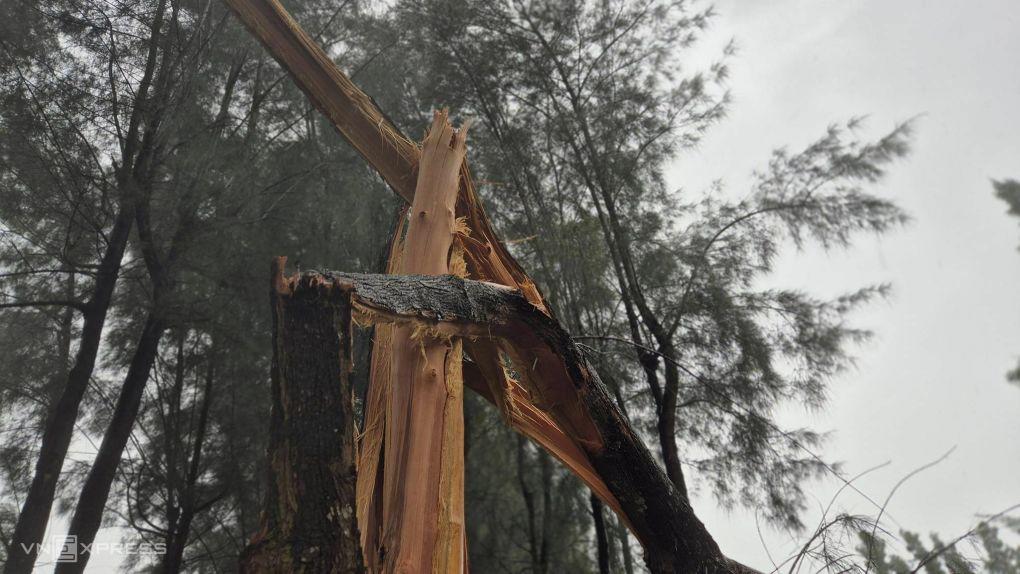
column 180, row 528
column 545, row 546
column 539, row 522
column 601, row 534
column 308, row 523
column 528, row 494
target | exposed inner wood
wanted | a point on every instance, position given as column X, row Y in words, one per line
column 423, row 469
column 370, row 444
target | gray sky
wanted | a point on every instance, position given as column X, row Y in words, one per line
column 934, row 375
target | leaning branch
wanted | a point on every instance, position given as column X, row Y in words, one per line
column 353, row 112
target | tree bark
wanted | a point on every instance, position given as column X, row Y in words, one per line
column 601, row 534
column 308, row 521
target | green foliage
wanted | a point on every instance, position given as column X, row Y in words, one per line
column 982, row 550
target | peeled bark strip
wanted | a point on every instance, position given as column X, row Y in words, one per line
column 370, row 442
column 423, row 469
column 308, row 521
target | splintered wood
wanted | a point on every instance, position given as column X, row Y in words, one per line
column 417, row 398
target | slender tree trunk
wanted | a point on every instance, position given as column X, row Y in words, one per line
column 621, row 533
column 528, row 494
column 35, row 513
column 34, row 516
column 171, row 440
column 173, row 559
column 308, row 521
column 88, row 514
column 666, row 425
column 601, row 534
column 64, row 336
column 545, row 546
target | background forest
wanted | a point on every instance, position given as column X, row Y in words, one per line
column 154, row 158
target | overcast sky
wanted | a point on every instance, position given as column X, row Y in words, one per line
column 933, row 377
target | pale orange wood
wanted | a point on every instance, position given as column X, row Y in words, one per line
column 424, row 442
column 487, row 377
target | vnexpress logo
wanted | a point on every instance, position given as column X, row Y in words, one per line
column 63, row 550
column 69, row 550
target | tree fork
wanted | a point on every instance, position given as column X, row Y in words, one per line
column 308, row 522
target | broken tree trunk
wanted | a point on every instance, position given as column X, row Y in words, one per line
column 308, row 519
column 560, row 424
column 370, row 442
column 423, row 463
column 449, row 307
